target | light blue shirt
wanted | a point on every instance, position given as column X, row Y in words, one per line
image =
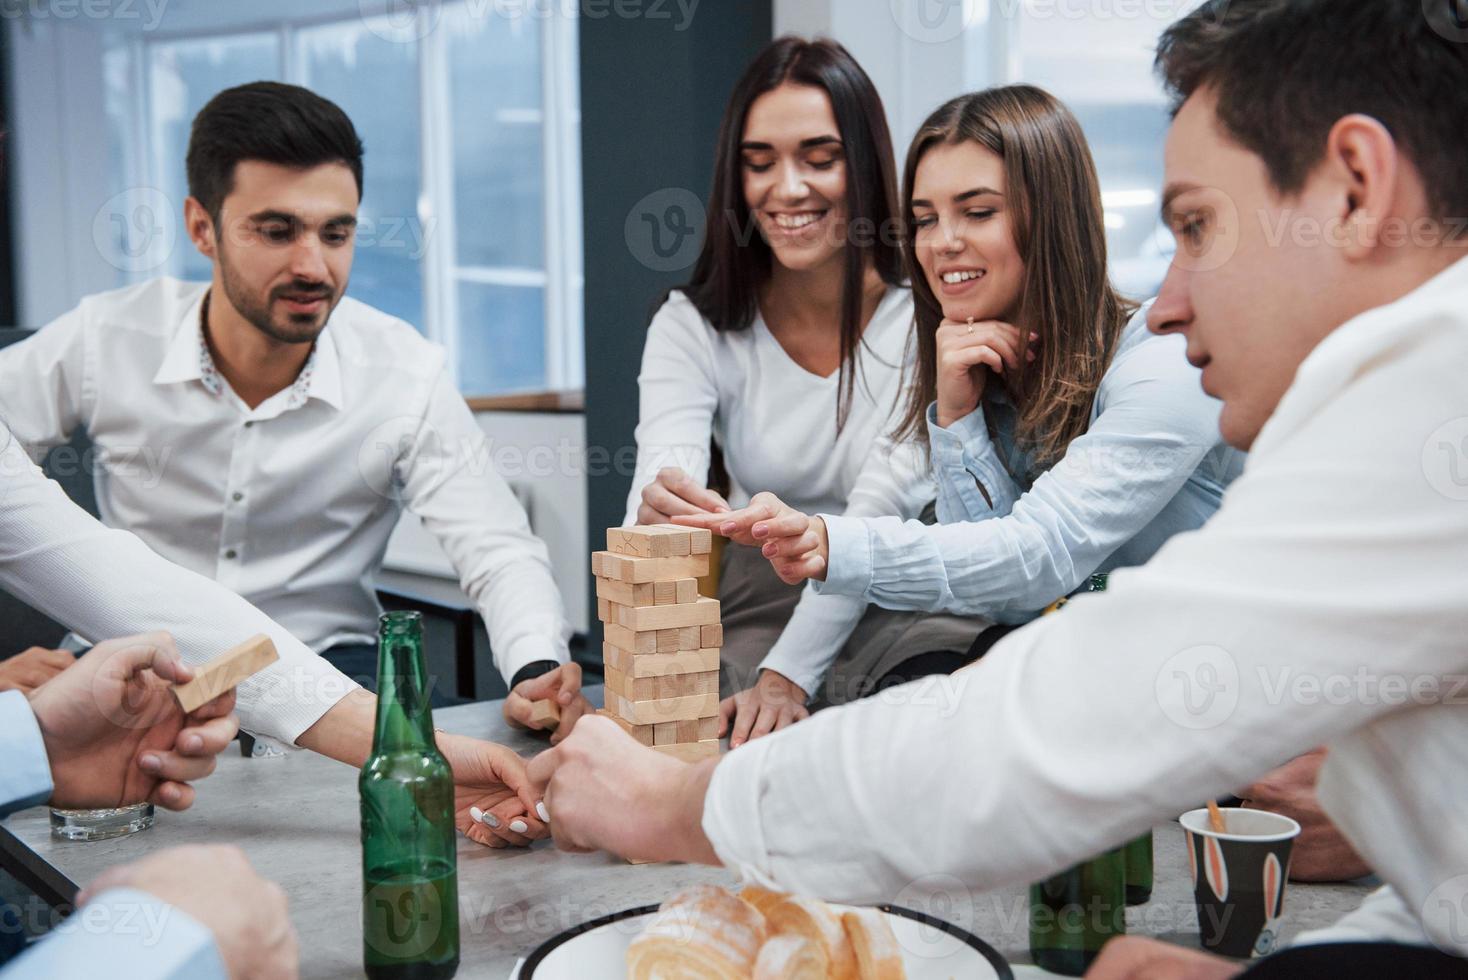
column 122, row 932
column 1150, row 465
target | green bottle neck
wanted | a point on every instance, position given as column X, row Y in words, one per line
column 404, row 717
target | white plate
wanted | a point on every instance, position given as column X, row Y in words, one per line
column 597, row 950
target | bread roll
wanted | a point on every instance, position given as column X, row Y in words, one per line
column 816, row 922
column 703, row 932
column 790, row 957
column 878, row 957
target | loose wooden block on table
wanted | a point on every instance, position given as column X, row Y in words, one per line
column 658, row 710
column 629, row 568
column 226, row 671
column 658, row 664
column 650, row 541
column 702, row 611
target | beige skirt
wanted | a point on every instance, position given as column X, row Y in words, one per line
column 756, row 605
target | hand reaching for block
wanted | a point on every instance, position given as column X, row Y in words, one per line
column 551, row 702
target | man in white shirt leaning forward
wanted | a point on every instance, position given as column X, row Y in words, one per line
column 265, row 430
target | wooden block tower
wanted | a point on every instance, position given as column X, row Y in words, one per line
column 662, row 638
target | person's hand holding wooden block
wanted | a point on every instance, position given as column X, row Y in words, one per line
column 226, row 672
column 545, row 713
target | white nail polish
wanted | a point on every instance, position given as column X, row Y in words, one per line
column 519, row 826
column 541, row 811
column 491, row 820
column 476, row 814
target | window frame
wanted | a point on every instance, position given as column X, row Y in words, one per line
column 561, row 277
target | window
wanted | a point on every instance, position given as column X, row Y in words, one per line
column 469, row 226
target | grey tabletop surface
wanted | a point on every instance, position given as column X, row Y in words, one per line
column 296, row 819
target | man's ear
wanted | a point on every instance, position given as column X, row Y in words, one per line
column 200, row 228
column 1362, row 156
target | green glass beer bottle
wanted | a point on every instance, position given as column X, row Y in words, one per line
column 1139, row 851
column 1074, row 913
column 410, row 889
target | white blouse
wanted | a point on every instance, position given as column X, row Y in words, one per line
column 776, row 424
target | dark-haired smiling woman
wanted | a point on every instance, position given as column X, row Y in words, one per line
column 1064, row 438
column 786, row 349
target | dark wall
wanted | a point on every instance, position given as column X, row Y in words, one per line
column 651, row 99
column 7, row 265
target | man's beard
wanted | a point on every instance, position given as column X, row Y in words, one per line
column 298, row 328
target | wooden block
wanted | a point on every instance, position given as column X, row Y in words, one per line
column 665, row 733
column 615, row 681
column 690, row 751
column 626, row 593
column 669, row 592
column 630, row 568
column 658, row 664
column 639, row 643
column 690, row 637
column 663, row 709
column 651, row 541
column 665, row 593
column 711, row 637
column 603, row 610
column 642, row 618
column 687, row 590
column 545, row 713
column 699, row 730
column 643, row 733
column 683, row 685
column 226, row 671
column 700, row 540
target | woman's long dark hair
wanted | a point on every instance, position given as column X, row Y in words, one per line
column 1059, row 231
column 735, row 260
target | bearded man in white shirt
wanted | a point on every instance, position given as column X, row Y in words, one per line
column 1318, row 189
column 266, row 431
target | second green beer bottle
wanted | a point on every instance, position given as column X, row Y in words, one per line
column 410, row 891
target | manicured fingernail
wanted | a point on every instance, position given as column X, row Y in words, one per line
column 769, row 550
column 491, row 820
column 476, row 814
column 760, row 530
column 726, row 527
column 519, row 826
column 150, row 763
column 541, row 812
column 193, row 743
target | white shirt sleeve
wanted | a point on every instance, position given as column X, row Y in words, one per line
column 106, row 583
column 45, row 384
column 449, row 482
column 892, row 482
column 1082, row 729
column 678, row 395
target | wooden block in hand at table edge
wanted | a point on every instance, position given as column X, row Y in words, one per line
column 630, row 568
column 650, row 541
column 226, row 671
column 640, row 619
column 545, row 710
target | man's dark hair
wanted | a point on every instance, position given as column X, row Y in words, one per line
column 268, row 121
column 1285, row 70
